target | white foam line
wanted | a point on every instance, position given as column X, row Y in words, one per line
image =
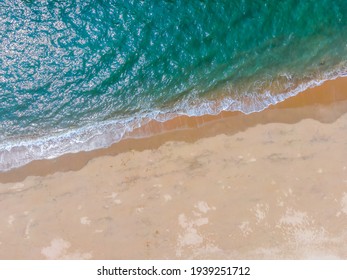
column 18, row 153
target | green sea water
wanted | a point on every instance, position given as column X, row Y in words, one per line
column 79, row 75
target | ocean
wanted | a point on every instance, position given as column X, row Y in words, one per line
column 81, row 75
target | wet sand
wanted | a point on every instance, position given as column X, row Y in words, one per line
column 269, row 185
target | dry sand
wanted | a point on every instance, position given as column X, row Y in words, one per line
column 270, row 185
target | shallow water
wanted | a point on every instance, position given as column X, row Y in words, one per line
column 78, row 75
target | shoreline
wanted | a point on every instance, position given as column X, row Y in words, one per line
column 190, row 129
column 270, row 185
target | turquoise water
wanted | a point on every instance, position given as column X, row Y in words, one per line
column 79, row 75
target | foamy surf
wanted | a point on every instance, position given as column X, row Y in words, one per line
column 18, row 153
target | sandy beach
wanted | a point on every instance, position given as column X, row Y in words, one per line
column 269, row 185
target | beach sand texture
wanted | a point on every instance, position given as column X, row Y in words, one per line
column 269, row 185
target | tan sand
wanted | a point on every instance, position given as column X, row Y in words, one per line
column 267, row 185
